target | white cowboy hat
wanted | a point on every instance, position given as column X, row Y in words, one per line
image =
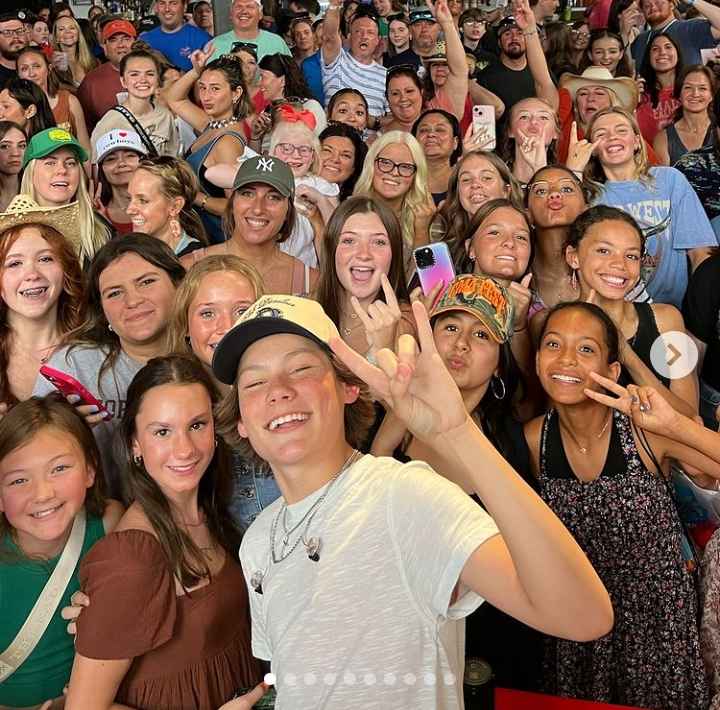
column 23, row 210
column 624, row 88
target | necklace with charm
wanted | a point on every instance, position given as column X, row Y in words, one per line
column 312, row 545
column 584, row 449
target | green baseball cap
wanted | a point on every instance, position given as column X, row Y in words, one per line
column 268, row 170
column 50, row 140
column 483, row 298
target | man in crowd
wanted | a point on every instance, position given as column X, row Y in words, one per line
column 691, row 35
column 522, row 71
column 312, row 66
column 245, row 16
column 424, row 31
column 174, row 37
column 99, row 90
column 354, row 67
column 355, row 597
column 543, row 10
column 13, row 39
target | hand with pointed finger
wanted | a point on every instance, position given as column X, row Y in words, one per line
column 200, row 57
column 521, row 296
column 524, row 16
column 579, row 151
column 415, row 385
column 381, row 319
column 532, row 151
column 645, row 405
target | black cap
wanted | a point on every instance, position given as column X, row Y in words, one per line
column 19, row 15
column 507, row 23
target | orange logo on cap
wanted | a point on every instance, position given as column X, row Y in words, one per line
column 489, row 291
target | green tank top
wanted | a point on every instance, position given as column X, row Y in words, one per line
column 47, row 670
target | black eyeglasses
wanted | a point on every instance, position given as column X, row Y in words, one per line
column 13, row 33
column 247, row 46
column 387, row 166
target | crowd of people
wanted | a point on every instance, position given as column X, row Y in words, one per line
column 359, row 347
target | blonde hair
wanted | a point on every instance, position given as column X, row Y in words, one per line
column 177, row 180
column 83, row 55
column 93, row 233
column 594, row 174
column 419, row 192
column 176, row 340
column 290, row 131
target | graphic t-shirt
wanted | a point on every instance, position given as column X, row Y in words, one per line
column 673, row 220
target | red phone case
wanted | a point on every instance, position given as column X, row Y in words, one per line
column 67, row 385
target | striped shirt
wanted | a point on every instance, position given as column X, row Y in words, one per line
column 346, row 72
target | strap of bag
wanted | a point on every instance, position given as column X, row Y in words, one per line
column 47, row 603
column 144, row 137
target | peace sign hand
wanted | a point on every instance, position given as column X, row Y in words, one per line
column 381, row 319
column 440, row 10
column 415, row 385
column 579, row 151
column 524, row 16
column 648, row 409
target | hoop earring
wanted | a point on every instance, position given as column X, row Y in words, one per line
column 494, row 387
column 137, row 460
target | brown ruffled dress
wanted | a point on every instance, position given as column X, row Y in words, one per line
column 191, row 652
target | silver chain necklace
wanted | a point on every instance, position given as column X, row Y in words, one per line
column 312, row 544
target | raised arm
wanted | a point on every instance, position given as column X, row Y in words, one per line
column 544, row 86
column 711, row 13
column 534, row 570
column 481, row 95
column 177, row 95
column 332, row 41
column 457, row 81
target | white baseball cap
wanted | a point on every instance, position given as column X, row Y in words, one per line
column 118, row 139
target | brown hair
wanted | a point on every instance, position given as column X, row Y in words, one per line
column 177, row 341
column 453, row 217
column 329, row 289
column 228, row 220
column 24, row 421
column 358, row 416
column 54, row 82
column 94, row 331
column 70, row 306
column 184, row 558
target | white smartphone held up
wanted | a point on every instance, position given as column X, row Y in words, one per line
column 483, row 124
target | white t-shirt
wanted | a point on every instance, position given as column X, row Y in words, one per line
column 369, row 626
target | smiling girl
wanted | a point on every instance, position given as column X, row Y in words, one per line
column 41, row 297
column 51, row 496
column 140, row 76
column 603, row 478
column 129, row 295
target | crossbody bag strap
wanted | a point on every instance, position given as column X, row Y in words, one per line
column 137, row 127
column 47, row 603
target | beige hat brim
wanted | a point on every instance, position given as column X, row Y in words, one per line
column 65, row 219
column 624, row 88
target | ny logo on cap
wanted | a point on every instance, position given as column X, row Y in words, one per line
column 265, row 164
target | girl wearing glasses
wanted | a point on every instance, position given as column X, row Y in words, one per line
column 395, row 174
column 578, row 43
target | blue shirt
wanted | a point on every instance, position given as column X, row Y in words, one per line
column 177, row 46
column 669, row 212
column 312, row 71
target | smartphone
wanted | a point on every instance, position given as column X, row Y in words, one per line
column 67, row 385
column 434, row 264
column 483, row 123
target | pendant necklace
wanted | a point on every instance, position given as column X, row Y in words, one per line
column 584, row 449
column 312, row 544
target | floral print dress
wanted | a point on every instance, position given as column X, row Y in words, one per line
column 626, row 522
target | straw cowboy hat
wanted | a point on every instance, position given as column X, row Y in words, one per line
column 624, row 88
column 23, row 210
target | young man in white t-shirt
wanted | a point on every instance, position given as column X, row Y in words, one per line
column 358, row 574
